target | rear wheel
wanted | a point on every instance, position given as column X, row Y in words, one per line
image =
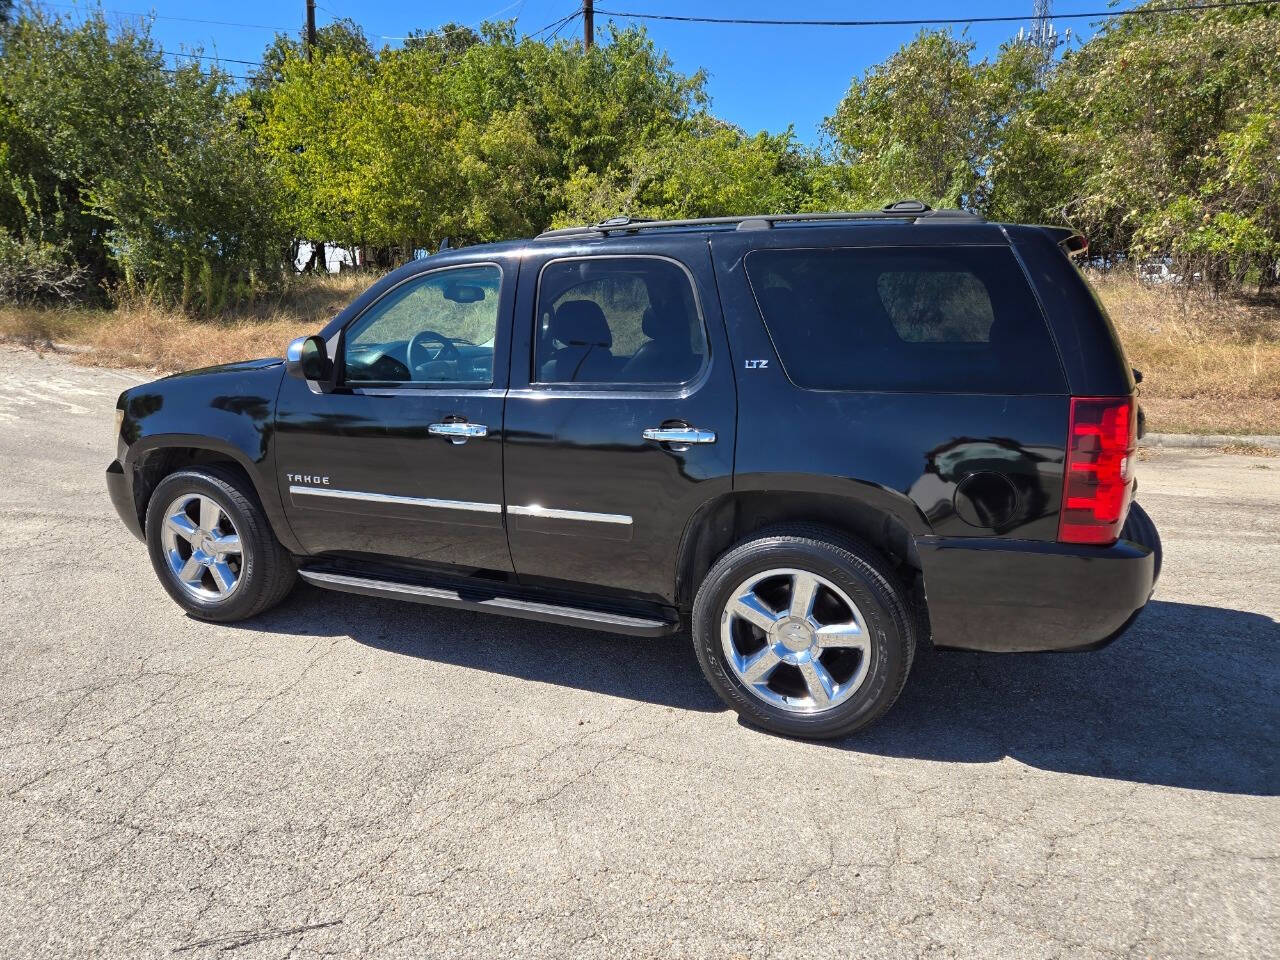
column 803, row 633
column 212, row 547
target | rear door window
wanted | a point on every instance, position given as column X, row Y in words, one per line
column 617, row 319
column 912, row 319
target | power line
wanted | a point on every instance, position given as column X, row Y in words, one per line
column 233, row 76
column 925, row 21
column 263, row 26
column 160, row 16
column 557, row 25
column 568, row 20
column 208, row 56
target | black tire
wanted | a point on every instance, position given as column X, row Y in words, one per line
column 1140, row 528
column 863, row 575
column 266, row 571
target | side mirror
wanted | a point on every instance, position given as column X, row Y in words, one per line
column 307, row 359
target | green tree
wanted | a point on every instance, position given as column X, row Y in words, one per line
column 137, row 170
column 1159, row 137
column 453, row 135
column 342, row 36
column 928, row 122
column 447, row 41
column 710, row 169
column 195, row 217
column 71, row 99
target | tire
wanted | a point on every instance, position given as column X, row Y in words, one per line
column 1140, row 528
column 195, row 564
column 867, row 667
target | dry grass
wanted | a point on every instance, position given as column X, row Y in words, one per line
column 1212, row 365
column 1247, row 448
column 144, row 334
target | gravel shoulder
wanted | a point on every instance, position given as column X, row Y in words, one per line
column 347, row 776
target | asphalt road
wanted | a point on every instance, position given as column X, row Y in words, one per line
column 347, row 776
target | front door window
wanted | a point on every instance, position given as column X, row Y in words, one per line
column 437, row 329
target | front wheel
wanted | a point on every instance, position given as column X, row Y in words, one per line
column 804, row 634
column 213, row 548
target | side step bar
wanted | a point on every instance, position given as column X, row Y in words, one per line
column 508, row 606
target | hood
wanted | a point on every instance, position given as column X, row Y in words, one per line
column 239, row 366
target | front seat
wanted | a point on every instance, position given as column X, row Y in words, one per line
column 585, row 354
column 667, row 356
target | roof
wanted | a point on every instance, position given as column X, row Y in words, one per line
column 901, row 210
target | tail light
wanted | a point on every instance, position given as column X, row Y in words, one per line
column 1098, row 485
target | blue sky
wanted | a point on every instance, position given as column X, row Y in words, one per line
column 760, row 77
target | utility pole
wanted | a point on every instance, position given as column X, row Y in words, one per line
column 588, row 22
column 317, row 247
column 311, row 27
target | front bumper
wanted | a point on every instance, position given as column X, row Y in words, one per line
column 120, row 489
column 1016, row 596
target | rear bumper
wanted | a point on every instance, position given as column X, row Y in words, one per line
column 120, row 489
column 1016, row 596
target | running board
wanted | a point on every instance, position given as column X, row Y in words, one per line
column 507, row 606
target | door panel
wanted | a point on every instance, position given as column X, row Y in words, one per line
column 589, row 499
column 360, row 469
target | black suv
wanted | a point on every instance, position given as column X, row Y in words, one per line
column 816, row 441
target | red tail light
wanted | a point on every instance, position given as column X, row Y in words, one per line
column 1101, row 440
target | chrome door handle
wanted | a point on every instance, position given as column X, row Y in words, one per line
column 680, row 435
column 458, row 431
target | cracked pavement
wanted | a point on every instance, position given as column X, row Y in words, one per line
column 347, row 776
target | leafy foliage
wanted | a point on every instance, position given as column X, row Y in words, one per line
column 1158, row 137
column 33, row 270
column 705, row 169
column 927, row 122
column 144, row 174
column 457, row 134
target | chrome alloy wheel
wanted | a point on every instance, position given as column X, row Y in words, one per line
column 202, row 547
column 795, row 640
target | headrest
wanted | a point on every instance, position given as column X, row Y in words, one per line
column 664, row 324
column 581, row 323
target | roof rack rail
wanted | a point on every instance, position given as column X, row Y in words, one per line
column 899, row 210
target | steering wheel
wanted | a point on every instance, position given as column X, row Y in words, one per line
column 448, row 349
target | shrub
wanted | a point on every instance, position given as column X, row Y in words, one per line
column 35, row 271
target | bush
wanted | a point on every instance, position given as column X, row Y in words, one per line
column 34, row 271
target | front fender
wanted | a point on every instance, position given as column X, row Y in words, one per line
column 224, row 412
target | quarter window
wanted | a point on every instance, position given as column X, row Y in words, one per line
column 924, row 319
column 617, row 320
column 439, row 328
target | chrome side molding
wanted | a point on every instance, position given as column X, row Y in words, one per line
column 551, row 513
column 531, row 510
column 431, row 502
